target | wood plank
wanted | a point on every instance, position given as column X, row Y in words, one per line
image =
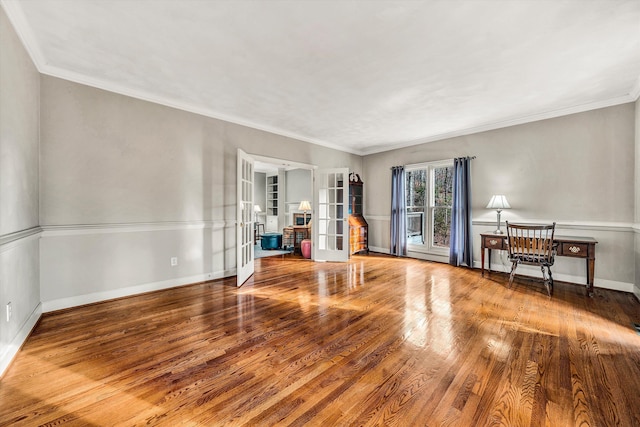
column 376, row 341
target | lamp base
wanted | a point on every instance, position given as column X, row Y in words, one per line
column 498, row 231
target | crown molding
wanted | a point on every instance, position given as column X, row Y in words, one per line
column 167, row 102
column 172, row 103
column 24, row 31
column 26, row 35
column 624, row 99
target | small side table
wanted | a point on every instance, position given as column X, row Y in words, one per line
column 492, row 241
column 256, row 232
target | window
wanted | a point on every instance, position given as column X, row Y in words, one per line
column 429, row 192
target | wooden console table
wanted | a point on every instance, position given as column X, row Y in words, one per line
column 294, row 235
column 569, row 246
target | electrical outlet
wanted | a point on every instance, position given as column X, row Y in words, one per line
column 174, row 261
column 9, row 311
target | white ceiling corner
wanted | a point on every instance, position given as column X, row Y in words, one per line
column 354, row 75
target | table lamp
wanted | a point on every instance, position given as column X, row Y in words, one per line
column 304, row 207
column 257, row 210
column 498, row 202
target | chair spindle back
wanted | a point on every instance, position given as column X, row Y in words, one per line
column 532, row 243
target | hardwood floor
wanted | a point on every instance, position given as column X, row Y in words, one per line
column 376, row 341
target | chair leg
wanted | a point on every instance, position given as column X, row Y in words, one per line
column 514, row 265
column 550, row 279
column 547, row 280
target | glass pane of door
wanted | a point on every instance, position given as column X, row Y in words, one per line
column 244, row 237
column 331, row 231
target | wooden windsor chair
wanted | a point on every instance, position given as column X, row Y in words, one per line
column 532, row 245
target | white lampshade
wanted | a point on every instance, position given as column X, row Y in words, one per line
column 256, row 208
column 304, row 206
column 498, row 201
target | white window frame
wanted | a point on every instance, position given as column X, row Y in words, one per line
column 428, row 247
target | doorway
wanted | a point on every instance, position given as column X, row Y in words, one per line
column 283, row 195
column 329, row 196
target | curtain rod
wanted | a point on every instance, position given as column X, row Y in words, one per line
column 469, row 157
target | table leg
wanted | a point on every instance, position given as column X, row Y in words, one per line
column 590, row 271
column 482, row 262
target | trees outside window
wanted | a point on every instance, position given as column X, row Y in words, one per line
column 429, row 192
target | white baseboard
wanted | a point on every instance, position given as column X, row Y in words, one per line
column 600, row 283
column 62, row 303
column 414, row 255
column 12, row 349
column 428, row 257
column 534, row 272
column 377, row 249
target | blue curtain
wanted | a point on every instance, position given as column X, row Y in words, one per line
column 398, row 210
column 461, row 242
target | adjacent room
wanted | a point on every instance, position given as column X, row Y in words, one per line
column 331, row 213
column 282, row 195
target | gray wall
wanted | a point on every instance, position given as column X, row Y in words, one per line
column 298, row 185
column 98, row 190
column 260, row 191
column 19, row 232
column 637, row 199
column 577, row 170
column 127, row 184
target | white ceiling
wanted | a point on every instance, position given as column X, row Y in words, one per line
column 362, row 76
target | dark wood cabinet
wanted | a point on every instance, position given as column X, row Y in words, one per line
column 358, row 227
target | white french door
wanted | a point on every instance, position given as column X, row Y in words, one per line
column 331, row 220
column 244, row 237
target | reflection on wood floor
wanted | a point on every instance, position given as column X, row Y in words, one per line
column 376, row 341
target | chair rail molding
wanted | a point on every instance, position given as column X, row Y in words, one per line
column 567, row 225
column 11, row 240
column 563, row 224
column 134, row 227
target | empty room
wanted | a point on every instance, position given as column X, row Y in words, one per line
column 322, row 212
